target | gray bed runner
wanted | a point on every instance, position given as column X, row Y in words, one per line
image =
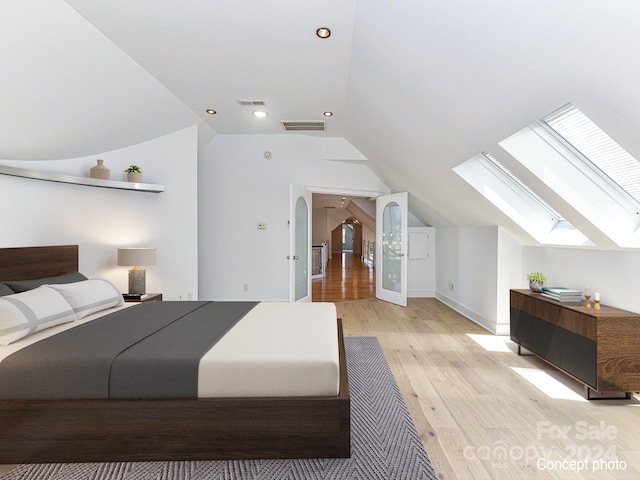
column 151, row 350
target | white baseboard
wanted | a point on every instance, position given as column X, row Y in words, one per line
column 475, row 317
column 421, row 293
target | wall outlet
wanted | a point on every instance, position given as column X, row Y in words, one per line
column 189, row 296
column 180, row 296
column 262, row 226
column 451, row 286
column 245, row 287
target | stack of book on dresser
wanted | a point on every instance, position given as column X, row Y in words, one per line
column 562, row 294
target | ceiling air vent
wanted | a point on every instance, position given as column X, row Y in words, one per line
column 304, row 126
column 251, row 103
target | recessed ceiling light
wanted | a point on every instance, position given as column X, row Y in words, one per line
column 323, row 32
column 211, row 111
column 328, row 114
column 260, row 113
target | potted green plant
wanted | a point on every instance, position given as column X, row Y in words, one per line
column 134, row 174
column 537, row 280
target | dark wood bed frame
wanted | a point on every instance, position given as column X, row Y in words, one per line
column 181, row 429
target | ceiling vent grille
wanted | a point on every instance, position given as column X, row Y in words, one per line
column 304, row 126
column 251, row 103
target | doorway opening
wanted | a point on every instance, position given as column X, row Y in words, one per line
column 346, row 225
column 347, row 238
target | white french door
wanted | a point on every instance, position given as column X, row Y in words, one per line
column 299, row 244
column 391, row 248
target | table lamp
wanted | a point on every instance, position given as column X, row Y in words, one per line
column 136, row 258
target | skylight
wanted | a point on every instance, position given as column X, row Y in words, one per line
column 586, row 168
column 524, row 187
column 597, row 147
column 591, row 175
column 519, row 202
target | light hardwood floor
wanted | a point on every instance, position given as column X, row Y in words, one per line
column 478, row 415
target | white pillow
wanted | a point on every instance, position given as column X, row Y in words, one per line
column 89, row 296
column 24, row 313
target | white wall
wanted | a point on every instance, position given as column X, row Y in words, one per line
column 483, row 263
column 614, row 274
column 100, row 220
column 509, row 276
column 469, row 272
column 239, row 188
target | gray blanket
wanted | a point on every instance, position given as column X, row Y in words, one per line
column 151, row 350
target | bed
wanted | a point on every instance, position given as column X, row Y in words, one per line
column 136, row 429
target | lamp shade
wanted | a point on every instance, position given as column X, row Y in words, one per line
column 136, row 256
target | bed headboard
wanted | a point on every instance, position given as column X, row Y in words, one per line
column 29, row 263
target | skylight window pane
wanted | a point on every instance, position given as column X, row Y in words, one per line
column 517, row 201
column 522, row 185
column 597, row 147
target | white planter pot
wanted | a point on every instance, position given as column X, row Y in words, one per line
column 134, row 177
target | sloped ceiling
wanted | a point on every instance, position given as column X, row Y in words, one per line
column 66, row 90
column 417, row 86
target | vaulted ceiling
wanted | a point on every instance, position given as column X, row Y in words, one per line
column 417, row 86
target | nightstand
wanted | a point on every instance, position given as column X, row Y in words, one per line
column 151, row 297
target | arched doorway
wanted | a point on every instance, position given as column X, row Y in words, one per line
column 347, row 237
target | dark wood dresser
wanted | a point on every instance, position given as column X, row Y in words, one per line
column 600, row 348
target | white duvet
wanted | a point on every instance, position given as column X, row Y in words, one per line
column 277, row 349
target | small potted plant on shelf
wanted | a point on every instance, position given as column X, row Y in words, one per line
column 536, row 281
column 134, row 174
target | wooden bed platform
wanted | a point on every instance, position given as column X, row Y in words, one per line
column 181, row 429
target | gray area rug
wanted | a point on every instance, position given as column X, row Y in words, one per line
column 384, row 441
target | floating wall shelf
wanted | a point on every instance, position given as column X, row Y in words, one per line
column 92, row 182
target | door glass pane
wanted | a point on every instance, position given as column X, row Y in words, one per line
column 301, row 250
column 392, row 247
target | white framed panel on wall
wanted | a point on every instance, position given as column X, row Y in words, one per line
column 421, row 268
